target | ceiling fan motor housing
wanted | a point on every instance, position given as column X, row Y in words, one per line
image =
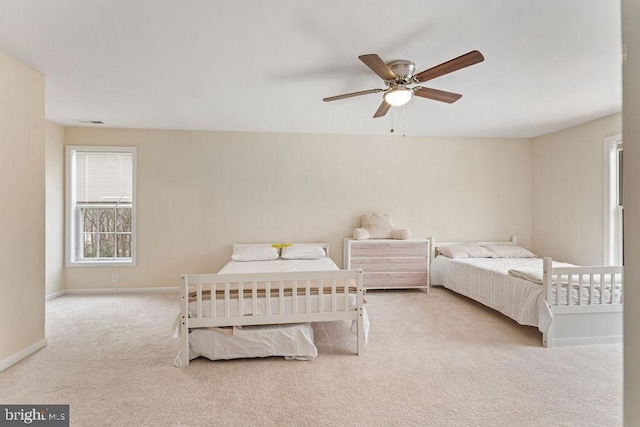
column 403, row 69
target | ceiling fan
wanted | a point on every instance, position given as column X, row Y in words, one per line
column 398, row 76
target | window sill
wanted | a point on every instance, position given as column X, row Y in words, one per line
column 105, row 263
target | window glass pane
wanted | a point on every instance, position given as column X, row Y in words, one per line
column 107, row 220
column 123, row 220
column 90, row 219
column 123, row 245
column 90, row 245
column 620, row 181
column 107, row 245
column 621, row 237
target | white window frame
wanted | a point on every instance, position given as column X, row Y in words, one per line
column 613, row 222
column 72, row 220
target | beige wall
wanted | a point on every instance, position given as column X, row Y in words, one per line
column 568, row 192
column 22, row 208
column 199, row 192
column 631, row 108
column 54, row 225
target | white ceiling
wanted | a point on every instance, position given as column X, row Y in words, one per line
column 257, row 65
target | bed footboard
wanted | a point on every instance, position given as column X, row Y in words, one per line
column 585, row 303
column 218, row 300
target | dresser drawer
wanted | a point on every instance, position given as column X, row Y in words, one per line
column 407, row 279
column 370, row 264
column 376, row 280
column 369, row 249
column 394, row 280
column 409, row 249
column 408, row 264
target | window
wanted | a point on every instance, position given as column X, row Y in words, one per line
column 101, row 205
column 613, row 199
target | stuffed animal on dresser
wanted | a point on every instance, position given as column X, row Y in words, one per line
column 378, row 225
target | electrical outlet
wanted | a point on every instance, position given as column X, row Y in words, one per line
column 114, row 278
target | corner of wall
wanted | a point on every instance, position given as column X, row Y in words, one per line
column 54, row 207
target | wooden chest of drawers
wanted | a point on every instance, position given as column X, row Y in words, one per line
column 388, row 263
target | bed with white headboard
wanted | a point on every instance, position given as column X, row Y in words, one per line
column 570, row 305
column 270, row 290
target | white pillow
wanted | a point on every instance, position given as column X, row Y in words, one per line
column 255, row 253
column 303, row 252
column 464, row 250
column 509, row 251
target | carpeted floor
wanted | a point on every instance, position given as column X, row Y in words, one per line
column 432, row 360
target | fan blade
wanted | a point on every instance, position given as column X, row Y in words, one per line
column 438, row 95
column 382, row 110
column 455, row 64
column 378, row 66
column 352, row 94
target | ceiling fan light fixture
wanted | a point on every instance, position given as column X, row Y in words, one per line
column 398, row 96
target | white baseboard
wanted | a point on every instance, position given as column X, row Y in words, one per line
column 121, row 290
column 22, row 354
column 563, row 342
column 54, row 295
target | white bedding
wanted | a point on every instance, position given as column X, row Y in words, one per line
column 279, row 265
column 294, row 341
column 487, row 280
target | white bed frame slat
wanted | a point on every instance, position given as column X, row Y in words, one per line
column 184, row 318
column 268, row 297
column 281, row 297
column 199, row 312
column 227, row 302
column 360, row 311
column 254, row 298
column 214, row 310
column 333, row 296
column 294, row 293
column 580, row 288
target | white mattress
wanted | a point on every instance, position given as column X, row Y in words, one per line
column 487, row 281
column 279, row 265
column 293, row 341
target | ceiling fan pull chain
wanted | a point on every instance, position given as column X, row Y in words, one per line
column 404, row 121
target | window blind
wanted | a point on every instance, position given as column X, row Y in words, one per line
column 104, row 177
